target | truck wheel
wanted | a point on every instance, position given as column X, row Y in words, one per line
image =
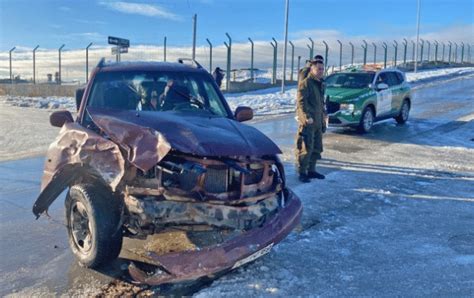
column 404, row 112
column 366, row 121
column 93, row 218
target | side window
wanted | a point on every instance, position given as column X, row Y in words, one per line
column 392, row 79
column 400, row 77
column 383, row 78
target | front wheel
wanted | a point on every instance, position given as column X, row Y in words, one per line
column 93, row 218
column 404, row 112
column 366, row 121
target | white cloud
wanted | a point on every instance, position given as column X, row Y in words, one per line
column 142, row 9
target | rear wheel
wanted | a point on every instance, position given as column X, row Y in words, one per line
column 404, row 112
column 93, row 218
column 367, row 120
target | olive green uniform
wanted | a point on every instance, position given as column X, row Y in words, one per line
column 309, row 140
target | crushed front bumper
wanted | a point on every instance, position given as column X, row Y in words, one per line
column 237, row 251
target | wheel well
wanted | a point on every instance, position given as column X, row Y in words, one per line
column 371, row 105
column 408, row 100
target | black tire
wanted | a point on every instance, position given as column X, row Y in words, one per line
column 366, row 120
column 404, row 112
column 93, row 219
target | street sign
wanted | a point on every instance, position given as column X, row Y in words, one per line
column 119, row 41
column 121, row 50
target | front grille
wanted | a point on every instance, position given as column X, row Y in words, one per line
column 217, row 180
column 332, row 107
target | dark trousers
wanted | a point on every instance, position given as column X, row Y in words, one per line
column 309, row 145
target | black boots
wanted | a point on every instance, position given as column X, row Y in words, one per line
column 304, row 178
column 315, row 175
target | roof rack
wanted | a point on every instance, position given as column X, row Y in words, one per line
column 194, row 63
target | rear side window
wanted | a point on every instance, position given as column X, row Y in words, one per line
column 393, row 79
column 400, row 77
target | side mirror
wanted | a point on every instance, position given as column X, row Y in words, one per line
column 79, row 94
column 58, row 118
column 382, row 86
column 243, row 114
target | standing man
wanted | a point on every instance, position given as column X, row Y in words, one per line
column 311, row 119
column 218, row 75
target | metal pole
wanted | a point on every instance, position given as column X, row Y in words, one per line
column 385, row 55
column 429, row 50
column 164, row 49
column 340, row 54
column 462, row 52
column 375, row 53
column 436, row 51
column 455, row 52
column 405, row 45
column 229, row 62
column 395, row 45
column 417, row 34
column 194, row 35
column 311, row 53
column 251, row 60
column 442, row 58
column 352, row 53
column 365, row 51
column 87, row 62
column 449, row 55
column 210, row 54
column 275, row 52
column 11, row 73
column 309, row 47
column 34, row 64
column 413, row 51
column 292, row 60
column 287, row 7
column 421, row 54
column 326, row 53
column 59, row 74
column 299, row 63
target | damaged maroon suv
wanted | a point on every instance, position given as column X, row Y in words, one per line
column 155, row 148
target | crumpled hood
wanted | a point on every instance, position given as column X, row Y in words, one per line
column 184, row 132
column 343, row 94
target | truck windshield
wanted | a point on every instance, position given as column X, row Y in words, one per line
column 350, row 80
column 156, row 91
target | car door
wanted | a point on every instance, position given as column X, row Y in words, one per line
column 397, row 92
column 384, row 97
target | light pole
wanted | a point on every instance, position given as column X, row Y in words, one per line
column 87, row 62
column 287, row 8
column 417, row 34
column 34, row 64
column 11, row 73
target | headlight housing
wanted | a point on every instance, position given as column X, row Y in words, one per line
column 348, row 107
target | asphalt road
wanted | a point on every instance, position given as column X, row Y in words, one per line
column 395, row 216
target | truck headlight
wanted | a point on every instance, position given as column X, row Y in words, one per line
column 349, row 107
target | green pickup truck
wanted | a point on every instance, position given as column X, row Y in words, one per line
column 361, row 96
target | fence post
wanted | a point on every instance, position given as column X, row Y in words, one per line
column 229, row 57
column 436, row 51
column 352, row 53
column 340, row 54
column 59, row 74
column 395, row 45
column 462, row 52
column 326, row 53
column 299, row 64
column 10, row 56
column 429, row 50
column 449, row 53
column 311, row 52
column 413, row 51
column 292, row 59
column 194, row 36
column 251, row 59
column 365, row 51
column 422, row 46
column 275, row 52
column 405, row 45
column 87, row 61
column 210, row 54
column 442, row 58
column 34, row 64
column 455, row 52
column 385, row 55
column 375, row 53
column 164, row 49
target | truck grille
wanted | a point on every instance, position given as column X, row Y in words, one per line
column 217, row 180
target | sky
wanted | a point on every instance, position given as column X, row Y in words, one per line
column 51, row 23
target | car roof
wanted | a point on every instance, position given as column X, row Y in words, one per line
column 148, row 66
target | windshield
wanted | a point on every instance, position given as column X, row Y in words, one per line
column 156, row 91
column 350, row 80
